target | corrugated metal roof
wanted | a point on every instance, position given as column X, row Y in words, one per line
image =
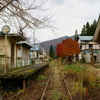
column 86, row 38
column 88, row 51
column 24, row 42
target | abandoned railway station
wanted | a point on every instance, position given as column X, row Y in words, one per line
column 20, row 77
column 8, row 53
column 15, row 62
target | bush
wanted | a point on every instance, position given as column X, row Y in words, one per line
column 88, row 78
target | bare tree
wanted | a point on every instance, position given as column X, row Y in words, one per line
column 17, row 13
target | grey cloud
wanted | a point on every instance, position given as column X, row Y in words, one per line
column 91, row 1
column 58, row 2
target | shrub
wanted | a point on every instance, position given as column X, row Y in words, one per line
column 88, row 78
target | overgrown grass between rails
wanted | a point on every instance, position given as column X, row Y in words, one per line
column 56, row 96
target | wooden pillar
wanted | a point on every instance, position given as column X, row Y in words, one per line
column 92, row 57
column 24, row 84
column 1, row 95
column 5, row 53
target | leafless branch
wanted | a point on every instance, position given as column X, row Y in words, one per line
column 18, row 11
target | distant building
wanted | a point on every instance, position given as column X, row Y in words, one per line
column 38, row 52
column 23, row 53
column 34, row 52
column 86, row 43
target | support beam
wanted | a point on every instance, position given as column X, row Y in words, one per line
column 24, row 84
column 1, row 95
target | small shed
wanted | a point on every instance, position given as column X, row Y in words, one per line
column 23, row 53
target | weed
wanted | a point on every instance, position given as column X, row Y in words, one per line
column 56, row 96
column 96, row 66
column 41, row 77
column 98, row 85
column 88, row 78
column 43, row 83
column 51, row 90
column 21, row 90
column 11, row 92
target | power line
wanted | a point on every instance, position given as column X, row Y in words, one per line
column 71, row 14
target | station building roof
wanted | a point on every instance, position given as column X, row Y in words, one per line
column 24, row 43
column 88, row 51
column 86, row 38
column 16, row 37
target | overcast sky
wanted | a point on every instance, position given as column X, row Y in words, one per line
column 69, row 15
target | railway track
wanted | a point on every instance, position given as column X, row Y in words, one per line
column 55, row 91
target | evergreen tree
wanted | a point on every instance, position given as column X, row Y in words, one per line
column 51, row 52
column 93, row 28
column 89, row 30
column 83, row 32
column 76, row 35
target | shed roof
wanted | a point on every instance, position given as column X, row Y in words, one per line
column 86, row 38
column 25, row 43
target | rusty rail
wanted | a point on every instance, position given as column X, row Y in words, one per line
column 43, row 94
column 67, row 88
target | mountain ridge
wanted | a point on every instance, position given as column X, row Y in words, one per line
column 53, row 42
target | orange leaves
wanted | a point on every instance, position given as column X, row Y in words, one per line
column 68, row 47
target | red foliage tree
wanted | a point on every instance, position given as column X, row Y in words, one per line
column 68, row 47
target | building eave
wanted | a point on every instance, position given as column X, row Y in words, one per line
column 16, row 37
column 24, row 43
